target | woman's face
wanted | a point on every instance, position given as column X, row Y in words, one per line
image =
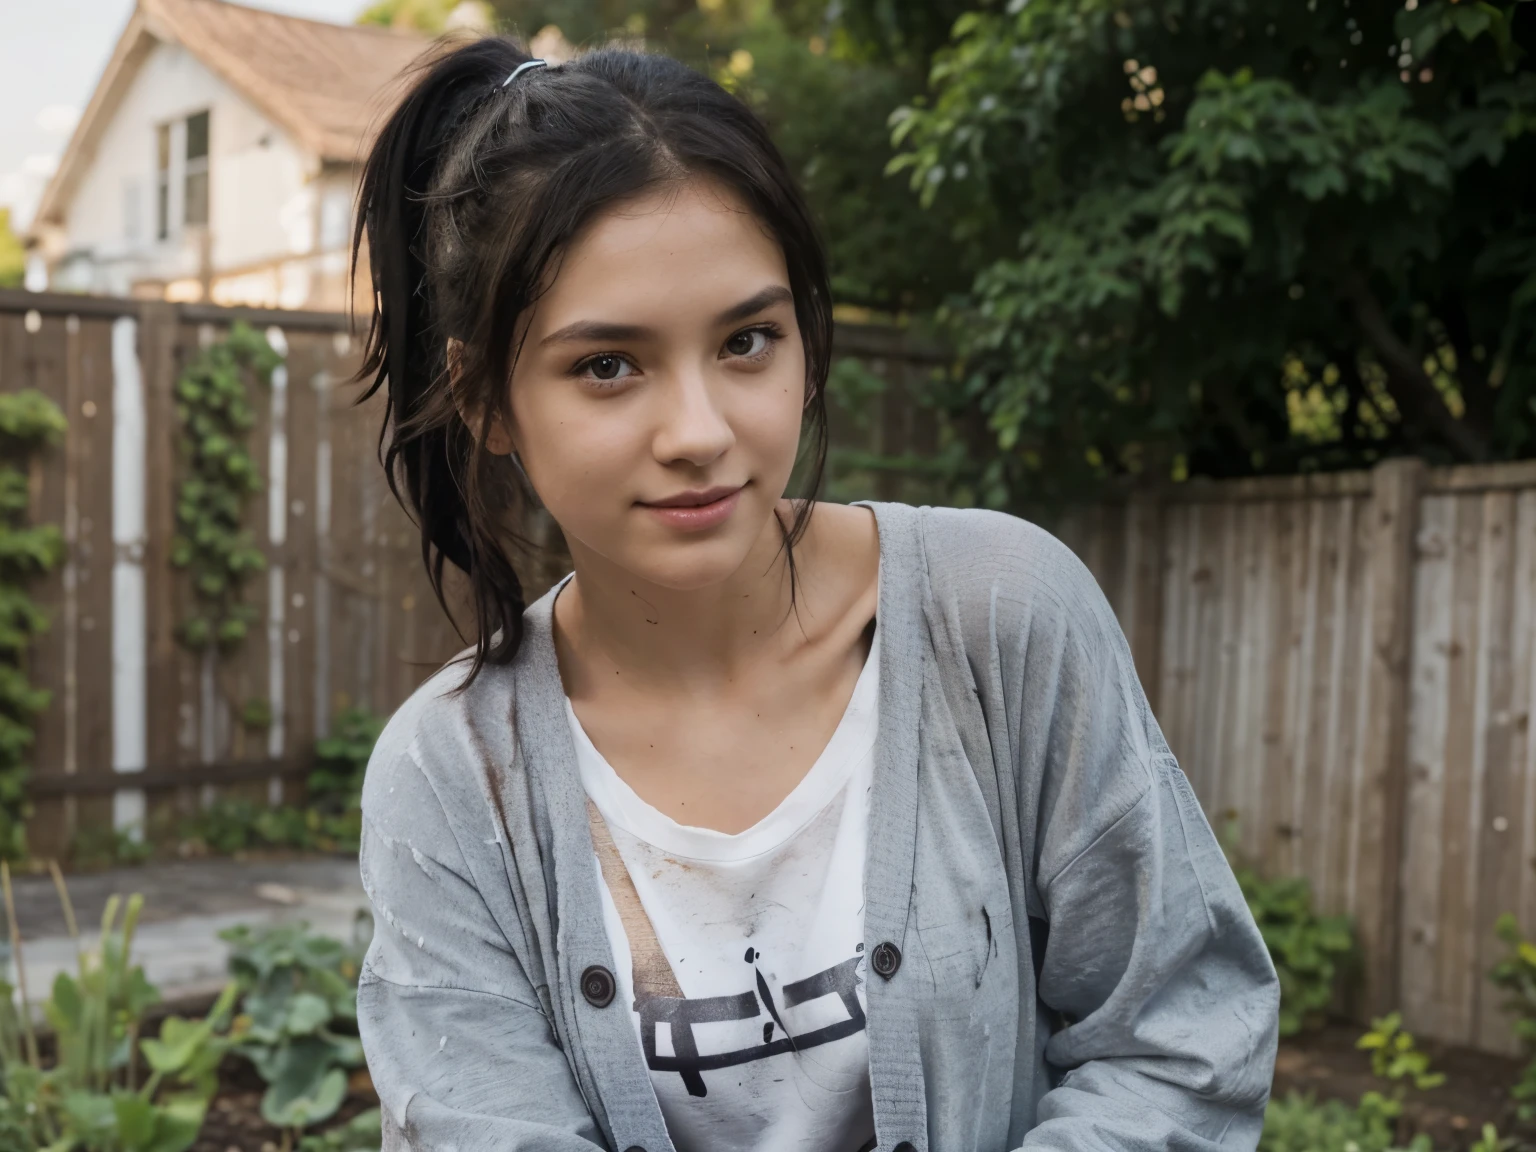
column 657, row 399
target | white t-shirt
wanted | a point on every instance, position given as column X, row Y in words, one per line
column 764, row 931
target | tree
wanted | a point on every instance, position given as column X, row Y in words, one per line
column 1238, row 236
column 13, row 257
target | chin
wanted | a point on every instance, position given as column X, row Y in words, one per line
column 681, row 568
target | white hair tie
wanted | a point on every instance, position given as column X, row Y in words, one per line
column 521, row 68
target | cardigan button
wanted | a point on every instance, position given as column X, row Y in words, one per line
column 885, row 959
column 597, row 986
column 634, row 1148
column 904, row 1146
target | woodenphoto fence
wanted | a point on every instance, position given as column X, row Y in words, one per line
column 1345, row 664
column 138, row 723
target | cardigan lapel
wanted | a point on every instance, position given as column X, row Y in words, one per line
column 604, row 1051
column 895, row 1057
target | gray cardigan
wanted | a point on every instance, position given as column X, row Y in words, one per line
column 1073, row 967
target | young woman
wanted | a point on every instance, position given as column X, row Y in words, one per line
column 777, row 825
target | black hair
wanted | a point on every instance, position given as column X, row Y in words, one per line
column 469, row 194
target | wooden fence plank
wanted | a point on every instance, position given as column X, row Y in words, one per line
column 1521, row 828
column 1454, row 975
column 1395, row 512
column 1427, row 726
column 1495, row 867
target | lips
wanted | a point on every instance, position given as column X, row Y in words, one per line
column 695, row 511
column 693, row 499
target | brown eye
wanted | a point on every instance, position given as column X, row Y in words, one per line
column 749, row 343
column 607, row 367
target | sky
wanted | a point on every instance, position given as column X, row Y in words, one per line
column 51, row 55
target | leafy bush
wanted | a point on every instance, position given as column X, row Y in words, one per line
column 1516, row 976
column 1308, row 950
column 92, row 1097
column 1394, row 1056
column 1299, row 1124
column 1230, row 239
column 228, row 827
column 101, row 846
column 1491, row 1141
column 364, row 1133
column 336, row 784
column 299, row 1009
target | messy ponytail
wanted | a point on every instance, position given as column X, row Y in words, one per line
column 473, row 187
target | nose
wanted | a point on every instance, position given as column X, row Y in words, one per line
column 692, row 428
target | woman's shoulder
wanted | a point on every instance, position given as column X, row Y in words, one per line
column 440, row 727
column 975, row 557
column 998, row 579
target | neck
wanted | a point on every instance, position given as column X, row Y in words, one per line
column 619, row 623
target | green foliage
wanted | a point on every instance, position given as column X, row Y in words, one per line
column 232, row 826
column 102, row 846
column 1491, row 1141
column 1394, row 1056
column 256, row 714
column 417, row 15
column 13, row 257
column 28, row 421
column 220, row 476
column 1515, row 975
column 332, row 821
column 827, row 111
column 336, row 784
column 1308, row 950
column 1298, row 1123
column 363, row 1133
column 1234, row 240
column 300, row 1004
column 91, row 1098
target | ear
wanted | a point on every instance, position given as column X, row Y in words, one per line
column 498, row 440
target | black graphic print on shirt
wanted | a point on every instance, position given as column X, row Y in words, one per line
column 681, row 1016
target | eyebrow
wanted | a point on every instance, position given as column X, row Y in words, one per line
column 599, row 330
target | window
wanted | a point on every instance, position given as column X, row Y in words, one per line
column 196, row 187
column 163, row 182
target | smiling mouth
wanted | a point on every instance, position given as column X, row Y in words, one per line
column 694, row 499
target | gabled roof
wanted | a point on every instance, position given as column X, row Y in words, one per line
column 327, row 85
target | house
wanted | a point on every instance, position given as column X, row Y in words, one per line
column 218, row 157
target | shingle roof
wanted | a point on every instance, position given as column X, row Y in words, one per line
column 324, row 83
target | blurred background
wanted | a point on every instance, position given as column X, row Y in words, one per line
column 1238, row 297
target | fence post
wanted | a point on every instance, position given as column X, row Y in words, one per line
column 158, row 324
column 1395, row 490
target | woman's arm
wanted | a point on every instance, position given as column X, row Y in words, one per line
column 1170, row 999
column 459, row 1049
column 1164, row 999
column 1152, row 960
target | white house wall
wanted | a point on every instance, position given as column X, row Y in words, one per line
column 263, row 204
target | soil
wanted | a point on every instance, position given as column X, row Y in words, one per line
column 1327, row 1064
column 234, row 1122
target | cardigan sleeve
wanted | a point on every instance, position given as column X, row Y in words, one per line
column 460, row 1050
column 1165, row 997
